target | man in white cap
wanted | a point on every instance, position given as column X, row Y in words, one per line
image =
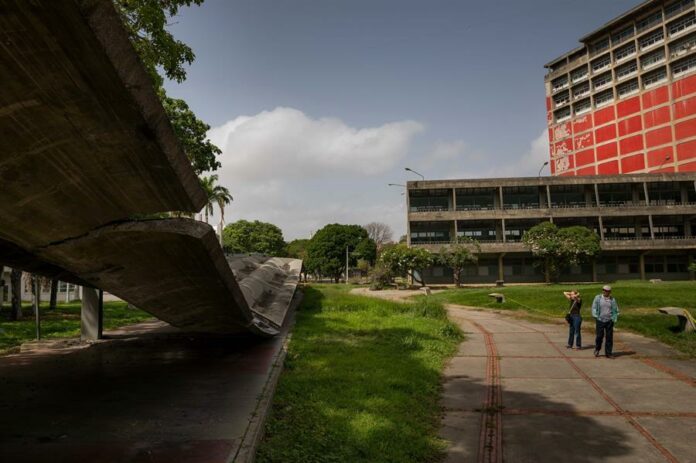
column 605, row 310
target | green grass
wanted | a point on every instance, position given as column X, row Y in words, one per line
column 361, row 381
column 637, row 302
column 64, row 322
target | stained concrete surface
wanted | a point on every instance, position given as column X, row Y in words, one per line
column 151, row 393
column 536, row 401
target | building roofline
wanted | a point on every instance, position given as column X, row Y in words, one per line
column 564, row 55
column 633, row 11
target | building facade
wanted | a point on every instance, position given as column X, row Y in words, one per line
column 646, row 223
column 625, row 100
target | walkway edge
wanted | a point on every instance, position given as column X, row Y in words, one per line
column 254, row 433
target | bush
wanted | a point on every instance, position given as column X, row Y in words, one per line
column 380, row 277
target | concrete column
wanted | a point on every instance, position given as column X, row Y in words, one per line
column 596, row 195
column 499, row 234
column 500, row 197
column 641, row 265
column 650, row 222
column 502, row 225
column 601, row 227
column 92, row 314
column 454, row 199
column 548, row 196
column 635, row 194
column 684, row 190
column 647, row 197
column 453, row 230
column 501, row 268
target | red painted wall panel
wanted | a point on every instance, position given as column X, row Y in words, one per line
column 683, row 87
column 654, row 97
column 564, row 147
column 562, row 131
column 685, row 129
column 584, row 157
column 630, row 125
column 631, row 144
column 658, row 156
column 606, row 133
column 663, row 170
column 685, row 108
column 548, row 103
column 583, row 141
column 658, row 137
column 582, row 123
column 628, row 107
column 686, row 150
column 608, row 168
column 657, row 117
column 604, row 115
column 607, row 151
column 688, row 167
column 586, row 171
column 633, row 163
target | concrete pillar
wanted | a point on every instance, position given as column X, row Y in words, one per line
column 641, row 265
column 502, row 225
column 596, row 195
column 499, row 197
column 684, row 190
column 453, row 230
column 454, row 199
column 647, row 197
column 601, row 227
column 499, row 235
column 501, row 268
column 548, row 196
column 650, row 222
column 635, row 194
column 92, row 314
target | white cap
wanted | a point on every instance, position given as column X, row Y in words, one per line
column 606, row 288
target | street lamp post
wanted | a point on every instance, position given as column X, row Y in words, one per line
column 546, row 163
column 417, row 173
column 667, row 158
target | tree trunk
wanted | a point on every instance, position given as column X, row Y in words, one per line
column 547, row 270
column 37, row 293
column 54, row 294
column 457, row 279
column 16, row 284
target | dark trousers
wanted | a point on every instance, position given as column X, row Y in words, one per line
column 574, row 330
column 608, row 328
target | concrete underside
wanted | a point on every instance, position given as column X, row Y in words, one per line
column 514, row 392
column 150, row 393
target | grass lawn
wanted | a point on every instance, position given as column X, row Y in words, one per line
column 64, row 322
column 637, row 303
column 361, row 381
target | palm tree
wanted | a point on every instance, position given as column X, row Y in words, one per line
column 216, row 194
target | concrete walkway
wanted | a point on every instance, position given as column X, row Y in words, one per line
column 514, row 393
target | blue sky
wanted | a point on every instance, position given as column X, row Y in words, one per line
column 318, row 104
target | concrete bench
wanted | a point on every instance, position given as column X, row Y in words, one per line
column 499, row 298
column 425, row 290
column 686, row 320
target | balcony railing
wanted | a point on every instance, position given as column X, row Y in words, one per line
column 429, row 208
column 521, row 206
column 475, row 207
column 568, row 205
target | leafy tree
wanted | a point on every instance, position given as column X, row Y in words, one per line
column 404, row 261
column 216, row 194
column 326, row 253
column 456, row 256
column 146, row 23
column 366, row 250
column 298, row 250
column 253, row 237
column 380, row 233
column 558, row 248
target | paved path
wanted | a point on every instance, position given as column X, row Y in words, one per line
column 514, row 393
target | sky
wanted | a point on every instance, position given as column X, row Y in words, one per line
column 318, row 105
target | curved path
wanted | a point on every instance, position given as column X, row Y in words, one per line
column 514, row 393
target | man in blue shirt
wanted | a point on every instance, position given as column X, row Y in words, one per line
column 605, row 310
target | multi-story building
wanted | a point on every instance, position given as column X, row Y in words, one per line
column 646, row 222
column 625, row 100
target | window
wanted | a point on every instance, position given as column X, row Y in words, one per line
column 626, row 70
column 684, row 65
column 653, row 38
column 600, row 46
column 601, row 63
column 649, row 21
column 682, row 24
column 562, row 114
column 561, row 99
column 622, row 35
column 583, row 106
column 682, row 46
column 559, row 83
column 581, row 90
column 625, row 51
column 601, row 81
column 603, row 98
column 678, row 7
column 655, row 77
column 627, row 88
column 652, row 59
column 578, row 74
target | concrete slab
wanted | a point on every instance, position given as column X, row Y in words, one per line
column 472, row 349
column 552, row 394
column 469, row 367
column 519, row 337
column 464, row 394
column 537, row 368
column 577, row 439
column 658, row 395
column 618, row 368
column 461, row 430
column 537, row 349
column 676, row 434
column 685, row 367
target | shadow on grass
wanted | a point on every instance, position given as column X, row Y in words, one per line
column 362, row 391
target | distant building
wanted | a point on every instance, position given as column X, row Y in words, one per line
column 625, row 100
column 646, row 222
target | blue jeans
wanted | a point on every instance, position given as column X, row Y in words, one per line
column 574, row 330
column 608, row 328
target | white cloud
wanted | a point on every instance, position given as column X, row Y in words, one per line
column 446, row 151
column 530, row 162
column 286, row 142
